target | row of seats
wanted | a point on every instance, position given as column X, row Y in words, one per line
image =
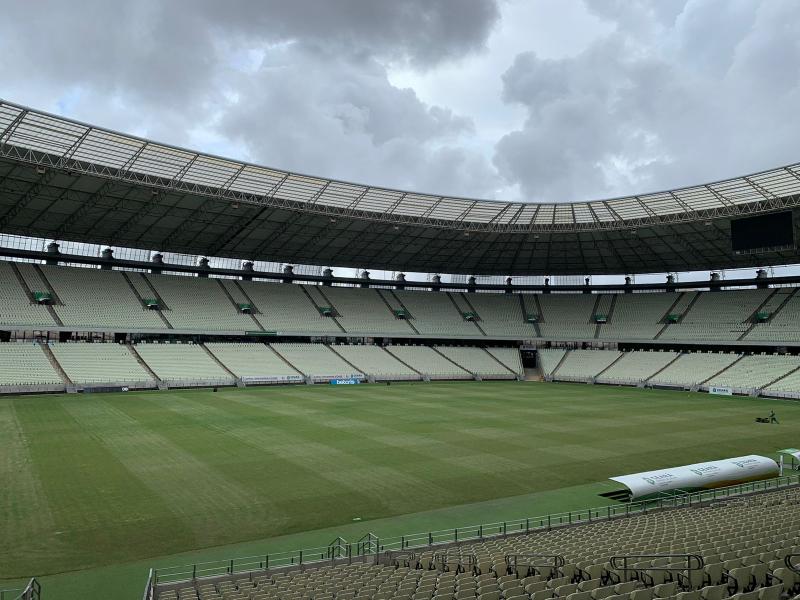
column 96, row 299
column 742, row 373
column 742, row 542
column 220, row 363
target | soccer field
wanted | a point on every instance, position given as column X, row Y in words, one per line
column 98, row 479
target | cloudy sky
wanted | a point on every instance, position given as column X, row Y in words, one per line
column 535, row 100
column 554, row 100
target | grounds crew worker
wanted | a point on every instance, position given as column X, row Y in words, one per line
column 772, row 417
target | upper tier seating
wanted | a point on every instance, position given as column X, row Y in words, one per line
column 364, row 311
column 94, row 299
column 435, row 313
column 637, row 316
column 784, row 326
column 428, row 362
column 376, row 362
column 477, row 361
column 501, row 315
column 32, row 277
column 97, row 298
column 718, row 316
column 743, row 542
column 316, row 361
column 100, row 363
column 287, row 308
column 182, row 364
column 755, row 372
column 567, row 316
column 252, row 361
column 16, row 306
column 580, row 365
column 693, row 369
column 25, row 364
column 509, row 357
column 199, row 303
column 634, row 367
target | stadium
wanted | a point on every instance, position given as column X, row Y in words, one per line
column 168, row 405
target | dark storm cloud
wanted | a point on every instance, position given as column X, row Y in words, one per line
column 299, row 84
column 679, row 93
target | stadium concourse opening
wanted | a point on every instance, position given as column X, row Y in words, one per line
column 178, row 392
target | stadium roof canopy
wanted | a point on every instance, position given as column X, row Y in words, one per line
column 64, row 180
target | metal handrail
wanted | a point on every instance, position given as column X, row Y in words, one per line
column 788, row 561
column 556, row 561
column 637, row 557
column 32, row 591
column 371, row 545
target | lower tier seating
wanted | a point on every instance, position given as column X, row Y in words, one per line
column 227, row 363
column 580, row 365
column 316, row 361
column 183, row 364
column 428, row 362
column 694, row 368
column 253, row 362
column 25, row 364
column 549, row 359
column 742, row 543
column 100, row 363
column 477, row 361
column 376, row 362
column 635, row 367
column 509, row 357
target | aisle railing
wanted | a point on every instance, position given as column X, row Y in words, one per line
column 340, row 550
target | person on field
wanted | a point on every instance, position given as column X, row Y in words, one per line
column 772, row 417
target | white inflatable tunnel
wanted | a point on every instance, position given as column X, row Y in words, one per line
column 701, row 476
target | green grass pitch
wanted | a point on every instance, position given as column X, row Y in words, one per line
column 107, row 479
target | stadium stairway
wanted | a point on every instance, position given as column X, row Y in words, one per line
column 21, row 281
column 723, row 370
column 526, row 310
column 318, row 299
column 753, row 318
column 246, row 296
column 533, row 374
column 159, row 382
column 501, row 363
column 462, row 302
column 148, row 285
column 559, row 365
column 782, row 377
column 683, row 302
column 57, row 366
column 393, row 302
column 222, row 366
column 444, row 356
column 666, row 366
column 235, row 304
column 401, row 361
column 463, row 306
column 332, row 348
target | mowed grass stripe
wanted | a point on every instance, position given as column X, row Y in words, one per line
column 116, row 469
column 98, row 508
column 195, row 490
column 329, row 455
column 25, row 515
column 447, row 463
